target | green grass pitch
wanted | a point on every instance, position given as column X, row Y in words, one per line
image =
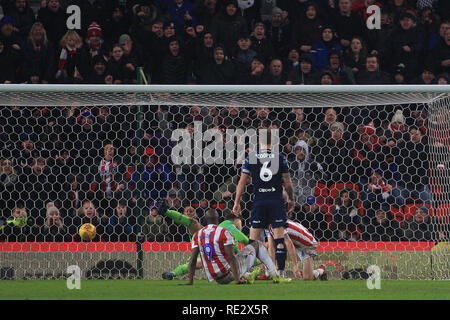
column 261, row 290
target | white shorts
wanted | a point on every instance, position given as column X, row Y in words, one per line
column 245, row 260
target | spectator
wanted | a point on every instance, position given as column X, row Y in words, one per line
column 87, row 214
column 260, row 44
column 377, row 191
column 306, row 32
column 26, row 150
column 439, row 58
column 400, row 75
column 10, row 185
column 341, row 74
column 305, row 173
column 347, row 23
column 405, row 45
column 355, row 55
column 346, row 218
column 108, row 182
column 376, row 38
column 180, row 12
column 205, row 11
column 39, row 56
column 156, row 176
column 145, row 14
column 423, row 227
column 155, row 228
column 120, row 225
column 255, row 75
column 291, row 61
column 382, row 227
column 73, row 60
column 396, row 8
column 443, row 79
column 276, row 74
column 174, row 68
column 221, row 71
column 53, row 17
column 8, row 36
column 413, row 165
column 228, row 25
column 244, row 56
column 75, row 191
column 53, row 229
column 322, row 49
column 322, row 130
column 326, row 77
column 131, row 51
column 333, row 152
column 278, row 32
column 116, row 24
column 94, row 44
column 372, row 74
column 426, row 77
column 23, row 17
column 97, row 74
column 304, row 74
column 119, row 68
column 205, row 49
column 9, row 58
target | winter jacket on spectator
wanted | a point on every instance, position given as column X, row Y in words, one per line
column 263, row 48
column 347, row 25
column 227, row 28
column 204, row 11
column 119, row 71
column 178, row 12
column 73, row 65
column 413, row 165
column 115, row 25
column 304, row 73
column 39, row 60
column 242, row 61
column 174, row 69
column 156, row 229
column 345, row 216
column 23, row 17
column 8, row 36
column 439, row 57
column 307, row 31
column 394, row 52
column 280, row 37
column 321, row 50
column 423, row 227
column 305, row 173
column 9, row 57
column 214, row 73
column 54, row 22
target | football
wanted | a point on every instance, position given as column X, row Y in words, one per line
column 87, row 231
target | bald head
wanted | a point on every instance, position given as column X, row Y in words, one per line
column 212, row 217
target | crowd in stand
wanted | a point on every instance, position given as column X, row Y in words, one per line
column 226, row 42
column 354, row 180
column 360, row 174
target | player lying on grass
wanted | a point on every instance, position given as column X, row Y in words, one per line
column 215, row 246
column 299, row 243
column 231, row 223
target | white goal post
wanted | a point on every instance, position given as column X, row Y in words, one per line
column 384, row 147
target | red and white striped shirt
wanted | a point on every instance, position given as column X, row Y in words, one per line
column 107, row 170
column 211, row 241
column 299, row 235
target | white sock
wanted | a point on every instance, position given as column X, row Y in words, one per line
column 265, row 258
column 317, row 273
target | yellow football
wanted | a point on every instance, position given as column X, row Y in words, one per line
column 87, row 231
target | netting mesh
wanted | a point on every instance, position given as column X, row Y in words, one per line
column 376, row 173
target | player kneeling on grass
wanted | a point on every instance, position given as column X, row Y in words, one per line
column 302, row 244
column 231, row 223
column 215, row 246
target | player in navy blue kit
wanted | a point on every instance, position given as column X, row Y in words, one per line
column 268, row 171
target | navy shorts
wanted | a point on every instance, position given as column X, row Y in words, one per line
column 268, row 212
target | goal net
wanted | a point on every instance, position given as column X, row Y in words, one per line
column 370, row 167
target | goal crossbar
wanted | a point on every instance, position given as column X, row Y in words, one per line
column 219, row 95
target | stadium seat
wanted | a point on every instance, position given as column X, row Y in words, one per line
column 320, row 193
column 443, row 212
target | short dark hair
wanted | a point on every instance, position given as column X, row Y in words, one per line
column 372, row 55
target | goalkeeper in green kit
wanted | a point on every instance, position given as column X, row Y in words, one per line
column 232, row 223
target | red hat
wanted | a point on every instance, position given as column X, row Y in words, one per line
column 94, row 30
column 369, row 129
